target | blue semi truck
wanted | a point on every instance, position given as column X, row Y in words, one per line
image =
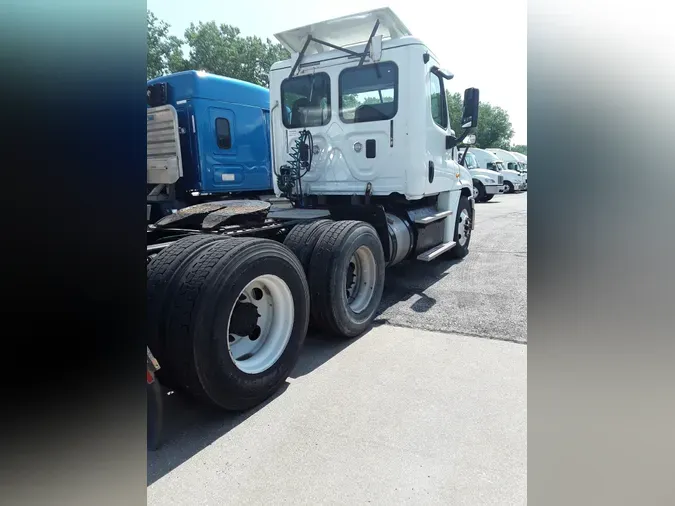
column 224, row 150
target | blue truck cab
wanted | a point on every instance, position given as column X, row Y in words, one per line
column 223, row 127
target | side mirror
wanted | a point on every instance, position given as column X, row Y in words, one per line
column 469, row 139
column 470, row 113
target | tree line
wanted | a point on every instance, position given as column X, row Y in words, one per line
column 221, row 49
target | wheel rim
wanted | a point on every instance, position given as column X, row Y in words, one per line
column 463, row 228
column 475, row 192
column 361, row 276
column 260, row 324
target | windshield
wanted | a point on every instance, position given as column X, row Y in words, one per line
column 469, row 161
column 500, row 165
column 305, row 101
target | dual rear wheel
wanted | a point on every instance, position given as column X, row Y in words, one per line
column 345, row 263
column 227, row 317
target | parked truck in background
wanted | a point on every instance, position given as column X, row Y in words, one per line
column 522, row 160
column 486, row 183
column 208, row 138
column 512, row 163
column 513, row 180
column 363, row 156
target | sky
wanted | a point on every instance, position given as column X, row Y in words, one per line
column 489, row 52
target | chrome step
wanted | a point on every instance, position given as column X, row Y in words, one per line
column 429, row 255
column 434, row 217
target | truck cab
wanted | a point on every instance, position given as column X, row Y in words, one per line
column 486, row 183
column 380, row 120
column 513, row 180
column 512, row 163
column 522, row 160
column 208, row 137
column 360, row 122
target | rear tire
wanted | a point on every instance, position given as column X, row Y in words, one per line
column 462, row 229
column 163, row 273
column 248, row 294
column 346, row 278
column 302, row 239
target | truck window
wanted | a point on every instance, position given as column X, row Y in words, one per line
column 470, row 161
column 512, row 166
column 223, row 136
column 369, row 93
column 305, row 100
column 439, row 109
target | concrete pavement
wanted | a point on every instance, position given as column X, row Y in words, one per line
column 398, row 416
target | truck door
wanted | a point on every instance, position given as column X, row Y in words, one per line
column 443, row 169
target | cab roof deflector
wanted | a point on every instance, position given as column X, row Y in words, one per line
column 342, row 33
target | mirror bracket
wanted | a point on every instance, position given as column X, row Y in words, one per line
column 443, row 74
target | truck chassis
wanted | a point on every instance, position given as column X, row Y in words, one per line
column 273, row 272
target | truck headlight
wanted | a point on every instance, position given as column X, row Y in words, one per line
column 490, row 181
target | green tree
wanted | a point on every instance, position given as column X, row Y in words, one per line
column 519, row 148
column 494, row 128
column 220, row 49
column 455, row 110
column 164, row 50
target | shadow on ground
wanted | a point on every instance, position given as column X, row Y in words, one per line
column 190, row 426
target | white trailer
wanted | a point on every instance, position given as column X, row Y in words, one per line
column 362, row 149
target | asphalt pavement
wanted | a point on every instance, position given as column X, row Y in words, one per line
column 484, row 294
column 429, row 407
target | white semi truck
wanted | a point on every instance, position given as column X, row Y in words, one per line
column 513, row 180
column 522, row 161
column 362, row 149
column 511, row 162
column 486, row 183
